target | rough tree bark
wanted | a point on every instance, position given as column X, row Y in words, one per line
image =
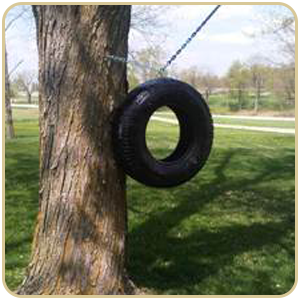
column 10, row 132
column 79, row 242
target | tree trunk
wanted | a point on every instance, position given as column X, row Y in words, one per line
column 79, row 242
column 207, row 93
column 240, row 99
column 256, row 101
column 28, row 97
column 10, row 132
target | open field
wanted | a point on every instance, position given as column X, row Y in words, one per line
column 228, row 231
column 219, row 104
column 25, row 114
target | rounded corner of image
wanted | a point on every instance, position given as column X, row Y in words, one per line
column 14, row 294
column 9, row 8
column 290, row 8
column 291, row 290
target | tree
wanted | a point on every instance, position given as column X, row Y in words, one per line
column 192, row 76
column 26, row 82
column 208, row 83
column 146, row 63
column 10, row 132
column 9, row 22
column 259, row 74
column 238, row 76
column 80, row 236
column 258, row 83
column 280, row 26
column 145, row 18
column 283, row 85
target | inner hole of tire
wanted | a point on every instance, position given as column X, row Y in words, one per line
column 162, row 133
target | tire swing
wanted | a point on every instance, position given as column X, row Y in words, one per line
column 195, row 128
column 195, row 138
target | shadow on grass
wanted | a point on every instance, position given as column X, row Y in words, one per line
column 172, row 263
column 162, row 261
column 21, row 201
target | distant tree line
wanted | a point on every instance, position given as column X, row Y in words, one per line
column 245, row 86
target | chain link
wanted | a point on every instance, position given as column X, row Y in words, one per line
column 162, row 70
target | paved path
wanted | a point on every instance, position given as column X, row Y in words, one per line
column 258, row 118
column 25, row 105
column 251, row 128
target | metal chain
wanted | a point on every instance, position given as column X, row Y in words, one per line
column 190, row 38
column 162, row 70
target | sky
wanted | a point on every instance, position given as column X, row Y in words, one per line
column 227, row 37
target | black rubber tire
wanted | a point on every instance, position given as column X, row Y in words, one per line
column 195, row 138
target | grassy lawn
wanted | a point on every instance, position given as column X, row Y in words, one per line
column 230, row 230
column 25, row 114
column 224, row 103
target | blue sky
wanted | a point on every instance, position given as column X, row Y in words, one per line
column 227, row 37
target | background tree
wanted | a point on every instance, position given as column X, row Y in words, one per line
column 10, row 132
column 146, row 62
column 257, row 80
column 9, row 22
column 283, row 86
column 79, row 242
column 26, row 82
column 282, row 27
column 204, row 82
column 145, row 19
column 258, row 73
column 192, row 76
column 208, row 83
column 238, row 77
column 279, row 25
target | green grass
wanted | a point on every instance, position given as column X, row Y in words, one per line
column 25, row 114
column 228, row 231
column 21, row 199
column 224, row 103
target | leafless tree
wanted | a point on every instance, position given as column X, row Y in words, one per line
column 10, row 132
column 26, row 81
column 208, row 83
column 278, row 24
column 259, row 75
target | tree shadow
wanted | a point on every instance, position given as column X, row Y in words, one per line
column 21, row 199
column 160, row 260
